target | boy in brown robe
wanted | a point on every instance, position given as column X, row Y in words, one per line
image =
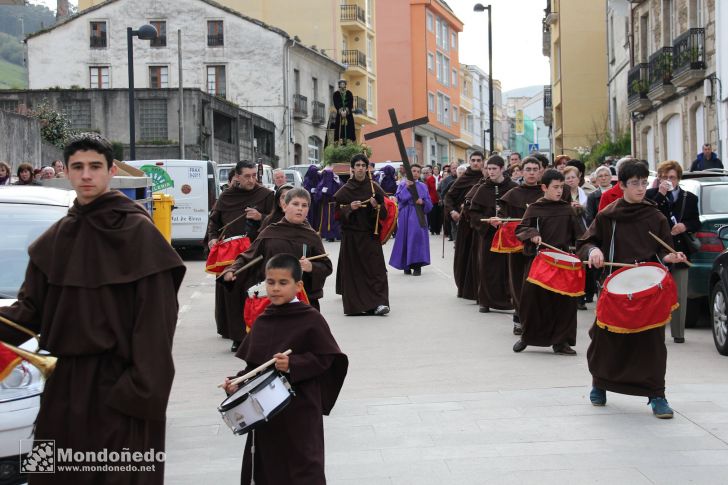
column 492, row 267
column 101, row 289
column 514, row 204
column 290, row 447
column 361, row 274
column 289, row 235
column 464, row 270
column 255, row 201
column 628, row 363
column 548, row 318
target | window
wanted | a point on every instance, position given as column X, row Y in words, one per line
column 153, row 119
column 431, row 102
column 314, row 81
column 215, row 35
column 611, row 39
column 216, row 80
column 158, row 77
column 98, row 35
column 455, row 114
column 370, row 98
column 438, row 31
column 443, row 69
column 161, row 40
column 370, row 54
column 447, row 111
column 99, row 77
column 695, row 12
column 297, row 81
column 454, row 40
column 444, row 36
column 430, row 22
column 78, row 113
column 454, row 78
column 668, row 26
column 314, row 149
column 443, row 109
column 430, row 62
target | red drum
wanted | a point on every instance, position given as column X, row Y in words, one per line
column 256, row 304
column 388, row 224
column 223, row 253
column 562, row 273
column 505, row 240
column 637, row 299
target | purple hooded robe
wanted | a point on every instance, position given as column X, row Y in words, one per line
column 412, row 243
column 327, row 225
column 310, row 182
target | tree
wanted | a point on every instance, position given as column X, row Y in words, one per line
column 55, row 126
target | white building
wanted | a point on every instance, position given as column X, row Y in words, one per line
column 618, row 12
column 481, row 123
column 721, row 33
column 247, row 62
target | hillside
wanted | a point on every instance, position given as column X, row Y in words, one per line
column 12, row 76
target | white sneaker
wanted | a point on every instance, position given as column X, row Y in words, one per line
column 381, row 310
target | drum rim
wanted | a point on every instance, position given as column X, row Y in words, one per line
column 548, row 252
column 232, row 238
column 650, row 289
column 266, row 379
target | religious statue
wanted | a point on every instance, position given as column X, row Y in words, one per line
column 344, row 125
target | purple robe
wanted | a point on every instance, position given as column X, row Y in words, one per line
column 412, row 244
column 388, row 180
column 310, row 182
column 328, row 227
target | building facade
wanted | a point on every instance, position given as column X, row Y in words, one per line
column 255, row 66
column 344, row 30
column 719, row 96
column 618, row 64
column 419, row 75
column 574, row 40
column 527, row 129
column 674, row 53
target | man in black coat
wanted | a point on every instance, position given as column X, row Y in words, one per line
column 681, row 210
column 344, row 103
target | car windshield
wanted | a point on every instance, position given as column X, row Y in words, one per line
column 21, row 224
column 290, row 178
column 714, row 199
column 223, row 174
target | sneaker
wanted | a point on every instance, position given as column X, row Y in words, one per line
column 519, row 346
column 484, row 309
column 563, row 349
column 381, row 310
column 598, row 397
column 517, row 329
column 660, row 407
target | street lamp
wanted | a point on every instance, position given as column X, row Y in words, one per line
column 145, row 32
column 480, row 8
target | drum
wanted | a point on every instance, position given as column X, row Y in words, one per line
column 256, row 402
column 505, row 240
column 562, row 273
column 637, row 299
column 224, row 252
column 258, row 301
column 388, row 224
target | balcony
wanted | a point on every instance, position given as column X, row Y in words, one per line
column 660, row 69
column 638, row 85
column 547, row 106
column 354, row 58
column 353, row 17
column 300, row 106
column 688, row 58
column 318, row 116
column 360, row 105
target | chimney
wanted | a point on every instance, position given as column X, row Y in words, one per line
column 61, row 9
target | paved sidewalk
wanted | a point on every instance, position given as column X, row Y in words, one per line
column 436, row 395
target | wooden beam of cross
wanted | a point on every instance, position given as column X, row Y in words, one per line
column 397, row 129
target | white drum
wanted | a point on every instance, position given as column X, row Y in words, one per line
column 634, row 280
column 257, row 401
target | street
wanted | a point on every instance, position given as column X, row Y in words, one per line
column 435, row 395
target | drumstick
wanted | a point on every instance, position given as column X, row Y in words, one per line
column 252, row 263
column 507, row 219
column 552, row 247
column 312, row 258
column 253, row 372
column 616, row 265
column 363, row 203
column 668, row 247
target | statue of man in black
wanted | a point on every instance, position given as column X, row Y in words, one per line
column 344, row 103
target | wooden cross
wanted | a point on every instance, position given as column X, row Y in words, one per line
column 397, row 129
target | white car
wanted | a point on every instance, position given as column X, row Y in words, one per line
column 25, row 213
column 293, row 177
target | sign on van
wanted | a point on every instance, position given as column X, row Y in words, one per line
column 160, row 178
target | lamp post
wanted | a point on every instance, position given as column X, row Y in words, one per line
column 480, row 8
column 145, row 32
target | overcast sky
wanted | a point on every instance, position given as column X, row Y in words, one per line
column 517, row 39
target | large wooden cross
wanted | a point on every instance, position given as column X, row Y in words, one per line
column 397, row 129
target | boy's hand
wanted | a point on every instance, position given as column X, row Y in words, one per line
column 229, row 386
column 536, row 240
column 281, row 362
column 229, row 276
column 675, row 258
column 306, row 265
column 495, row 221
column 596, row 258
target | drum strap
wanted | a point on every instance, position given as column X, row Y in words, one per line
column 611, row 246
column 252, row 459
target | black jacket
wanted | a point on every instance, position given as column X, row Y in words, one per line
column 690, row 217
column 592, row 206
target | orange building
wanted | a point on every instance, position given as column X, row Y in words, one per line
column 418, row 73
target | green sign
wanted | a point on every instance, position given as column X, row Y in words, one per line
column 160, row 178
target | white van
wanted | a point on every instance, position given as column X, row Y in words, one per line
column 194, row 186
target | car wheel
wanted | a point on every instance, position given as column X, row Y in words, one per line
column 719, row 318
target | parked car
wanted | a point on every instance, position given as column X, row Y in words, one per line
column 719, row 297
column 293, row 177
column 25, row 213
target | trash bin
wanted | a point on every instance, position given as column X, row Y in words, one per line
column 162, row 214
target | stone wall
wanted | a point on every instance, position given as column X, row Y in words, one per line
column 19, row 140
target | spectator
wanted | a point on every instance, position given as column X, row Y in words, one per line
column 706, row 160
column 681, row 210
column 279, row 177
column 615, row 192
column 434, row 217
column 609, row 163
column 59, row 168
column 585, row 184
column 604, row 182
column 516, row 173
column 388, row 182
column 25, row 175
column 4, row 173
column 47, row 173
column 560, row 162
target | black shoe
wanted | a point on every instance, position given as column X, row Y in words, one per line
column 519, row 346
column 408, row 271
column 589, row 299
column 484, row 309
column 449, row 239
column 417, row 272
column 234, row 346
column 517, row 329
column 679, row 340
column 516, row 319
column 563, row 349
column 581, row 306
column 330, row 240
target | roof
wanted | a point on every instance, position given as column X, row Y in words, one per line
column 209, row 2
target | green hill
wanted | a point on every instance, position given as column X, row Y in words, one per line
column 12, row 76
